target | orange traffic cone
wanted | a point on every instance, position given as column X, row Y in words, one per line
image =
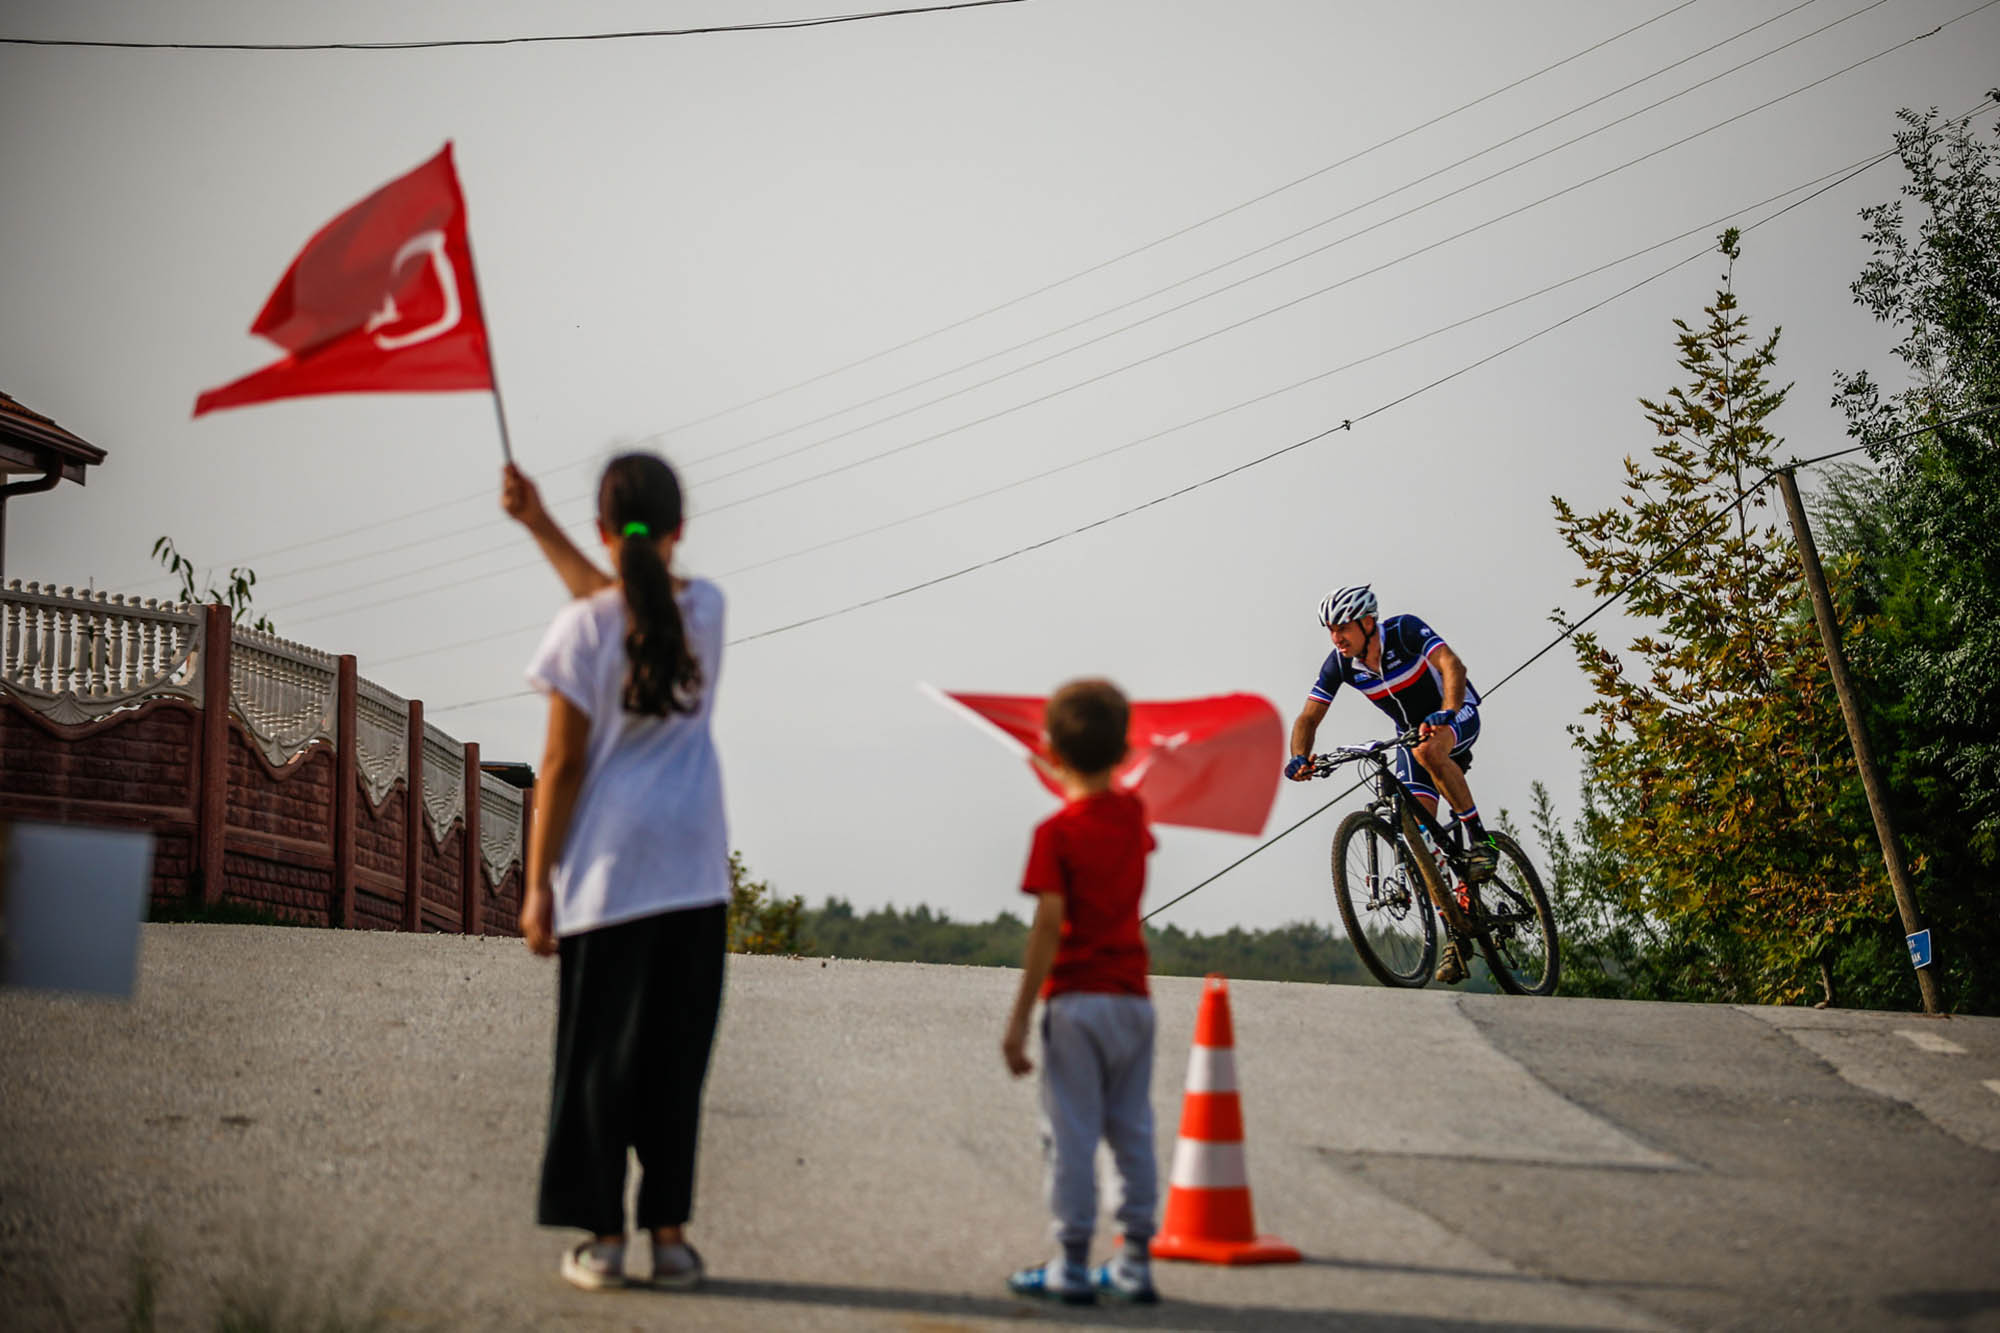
column 1209, row 1219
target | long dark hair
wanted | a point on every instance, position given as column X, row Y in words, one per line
column 639, row 502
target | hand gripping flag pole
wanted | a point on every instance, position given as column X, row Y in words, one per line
column 383, row 299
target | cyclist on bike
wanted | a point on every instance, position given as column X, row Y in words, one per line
column 1410, row 673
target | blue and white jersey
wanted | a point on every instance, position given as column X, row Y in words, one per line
column 1410, row 687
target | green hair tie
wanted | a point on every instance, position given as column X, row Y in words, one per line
column 637, row 530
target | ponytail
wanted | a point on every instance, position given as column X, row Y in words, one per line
column 640, row 499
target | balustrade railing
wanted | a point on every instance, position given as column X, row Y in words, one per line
column 77, row 657
column 500, row 811
column 382, row 738
column 285, row 692
column 444, row 778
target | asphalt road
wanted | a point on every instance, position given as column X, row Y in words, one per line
column 316, row 1121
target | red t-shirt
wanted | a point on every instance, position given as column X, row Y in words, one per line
column 1093, row 852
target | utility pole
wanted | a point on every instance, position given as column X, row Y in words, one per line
column 1857, row 733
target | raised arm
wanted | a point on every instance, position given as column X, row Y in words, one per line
column 523, row 503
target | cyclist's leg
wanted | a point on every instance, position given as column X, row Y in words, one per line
column 1439, row 753
column 1414, row 776
column 1455, row 956
column 1447, row 758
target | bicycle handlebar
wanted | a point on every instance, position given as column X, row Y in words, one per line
column 1324, row 764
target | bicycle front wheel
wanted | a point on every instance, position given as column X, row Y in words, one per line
column 1382, row 902
column 1519, row 942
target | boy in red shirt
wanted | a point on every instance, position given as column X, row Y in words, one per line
column 1087, row 959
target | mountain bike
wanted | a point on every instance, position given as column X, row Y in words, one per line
column 1397, row 872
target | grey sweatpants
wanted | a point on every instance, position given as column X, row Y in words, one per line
column 1097, row 1077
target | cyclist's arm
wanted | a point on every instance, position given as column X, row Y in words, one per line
column 1307, row 726
column 1451, row 675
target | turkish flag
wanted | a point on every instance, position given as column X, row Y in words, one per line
column 1200, row 763
column 382, row 300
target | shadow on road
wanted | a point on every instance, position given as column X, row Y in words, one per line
column 1489, row 1275
column 1169, row 1313
column 1942, row 1306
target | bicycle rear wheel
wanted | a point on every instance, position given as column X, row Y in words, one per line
column 1382, row 902
column 1519, row 942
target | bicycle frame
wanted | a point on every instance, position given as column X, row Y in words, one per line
column 1494, row 914
column 1443, row 884
column 1392, row 795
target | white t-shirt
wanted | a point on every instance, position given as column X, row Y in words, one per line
column 648, row 834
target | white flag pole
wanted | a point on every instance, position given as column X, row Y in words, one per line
column 486, row 325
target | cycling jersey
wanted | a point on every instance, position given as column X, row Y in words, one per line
column 1410, row 687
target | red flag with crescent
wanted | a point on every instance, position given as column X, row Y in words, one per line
column 382, row 300
column 1199, row 763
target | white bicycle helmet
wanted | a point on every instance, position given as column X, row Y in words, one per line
column 1344, row 605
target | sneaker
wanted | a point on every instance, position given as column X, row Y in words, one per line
column 1121, row 1281
column 1451, row 964
column 676, row 1267
column 595, row 1265
column 1482, row 860
column 1054, row 1281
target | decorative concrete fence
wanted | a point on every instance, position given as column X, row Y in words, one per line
column 272, row 775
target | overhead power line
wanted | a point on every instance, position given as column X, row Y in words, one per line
column 1345, row 424
column 1100, row 265
column 1158, row 241
column 774, row 25
column 1101, row 376
column 1345, row 212
column 517, row 567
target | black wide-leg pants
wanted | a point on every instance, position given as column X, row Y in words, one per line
column 636, row 1010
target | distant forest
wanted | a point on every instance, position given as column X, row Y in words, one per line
column 1296, row 952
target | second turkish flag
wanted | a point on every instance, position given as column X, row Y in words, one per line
column 1200, row 763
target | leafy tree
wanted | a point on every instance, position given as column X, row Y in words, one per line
column 1934, row 277
column 1731, row 846
column 1608, row 943
column 1893, row 594
column 759, row 920
column 235, row 592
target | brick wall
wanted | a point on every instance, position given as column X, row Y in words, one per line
column 443, row 875
column 378, row 831
column 136, row 769
column 502, row 913
column 378, row 858
column 293, row 893
column 173, row 866
column 230, row 826
column 295, row 801
column 139, row 763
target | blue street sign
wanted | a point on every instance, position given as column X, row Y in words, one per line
column 1920, row 948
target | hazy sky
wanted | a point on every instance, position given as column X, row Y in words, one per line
column 673, row 233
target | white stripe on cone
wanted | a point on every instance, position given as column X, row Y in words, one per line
column 1209, row 1166
column 1212, row 1069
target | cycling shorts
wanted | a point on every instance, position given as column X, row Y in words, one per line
column 1465, row 726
